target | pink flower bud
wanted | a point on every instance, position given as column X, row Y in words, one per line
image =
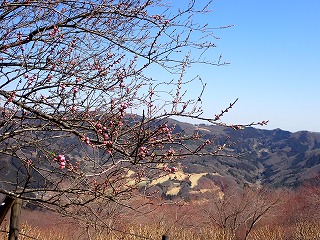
column 171, row 152
column 61, row 158
column 174, row 169
column 124, row 106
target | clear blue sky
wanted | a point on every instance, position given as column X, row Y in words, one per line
column 274, row 51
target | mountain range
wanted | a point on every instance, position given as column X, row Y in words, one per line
column 276, row 158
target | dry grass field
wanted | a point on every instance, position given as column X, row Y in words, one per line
column 302, row 231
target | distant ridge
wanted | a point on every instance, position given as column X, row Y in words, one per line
column 266, row 157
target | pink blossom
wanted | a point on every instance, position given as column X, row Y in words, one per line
column 174, row 169
column 143, row 151
column 61, row 158
column 165, row 168
column 124, row 106
column 53, row 32
column 108, row 143
column 49, row 78
column 170, row 152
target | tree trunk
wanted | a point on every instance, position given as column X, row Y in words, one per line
column 5, row 206
column 15, row 219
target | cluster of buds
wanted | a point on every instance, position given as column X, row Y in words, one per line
column 156, row 17
column 87, row 140
column 150, row 103
column 108, row 143
column 31, row 79
column 99, row 186
column 12, row 94
column 43, row 98
column 54, row 31
column 143, row 151
column 164, row 129
column 120, row 124
column 123, row 108
column 62, row 86
column 61, row 160
column 121, row 80
column 63, row 163
column 75, row 90
column 237, row 127
column 218, row 116
column 140, row 174
column 207, row 142
column 263, row 123
column 19, row 36
column 73, row 108
column 71, row 45
column 78, row 79
column 170, row 170
column 29, row 162
column 170, row 152
column 49, row 78
column 101, row 129
column 105, row 136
